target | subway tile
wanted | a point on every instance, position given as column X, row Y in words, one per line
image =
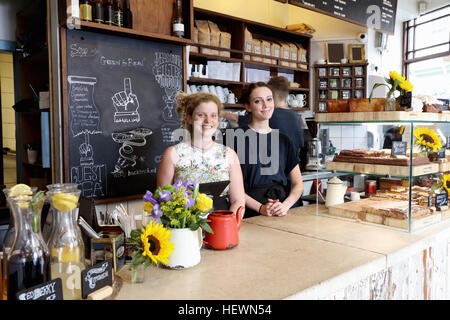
column 360, row 143
column 9, row 143
column 335, row 131
column 8, row 115
column 6, row 70
column 347, row 143
column 6, row 57
column 7, row 100
column 347, row 131
column 7, row 85
column 9, row 130
column 360, row 131
column 336, row 141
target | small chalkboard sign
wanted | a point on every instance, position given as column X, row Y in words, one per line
column 96, row 277
column 51, row 290
column 441, row 200
column 440, row 154
column 398, row 148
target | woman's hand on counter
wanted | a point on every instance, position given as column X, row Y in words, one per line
column 276, row 208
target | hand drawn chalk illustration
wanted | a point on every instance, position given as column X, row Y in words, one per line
column 167, row 70
column 129, row 140
column 126, row 104
column 85, row 117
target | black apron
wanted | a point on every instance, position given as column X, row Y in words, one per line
column 262, row 193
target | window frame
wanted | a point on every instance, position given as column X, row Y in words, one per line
column 411, row 24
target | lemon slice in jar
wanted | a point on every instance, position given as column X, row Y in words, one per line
column 64, row 202
column 19, row 190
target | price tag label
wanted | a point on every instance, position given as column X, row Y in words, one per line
column 398, row 148
column 440, row 154
column 441, row 199
column 430, row 200
column 51, row 290
column 96, row 277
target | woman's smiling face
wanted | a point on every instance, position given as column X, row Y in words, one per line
column 205, row 119
column 261, row 103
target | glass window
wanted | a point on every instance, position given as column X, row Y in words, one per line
column 431, row 77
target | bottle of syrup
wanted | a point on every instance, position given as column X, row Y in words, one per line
column 108, row 13
column 177, row 20
column 98, row 12
column 85, row 10
column 127, row 16
column 118, row 13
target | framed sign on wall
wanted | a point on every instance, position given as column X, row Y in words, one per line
column 356, row 53
column 334, row 52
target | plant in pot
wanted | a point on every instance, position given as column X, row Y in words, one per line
column 184, row 210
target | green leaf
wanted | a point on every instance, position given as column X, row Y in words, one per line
column 376, row 85
column 207, row 228
column 436, row 186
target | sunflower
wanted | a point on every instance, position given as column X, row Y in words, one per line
column 446, row 182
column 155, row 239
column 395, row 76
column 428, row 138
column 407, row 86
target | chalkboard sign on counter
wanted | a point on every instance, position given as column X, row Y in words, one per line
column 441, row 200
column 398, row 148
column 440, row 154
column 376, row 14
column 120, row 111
column 96, row 277
column 51, row 290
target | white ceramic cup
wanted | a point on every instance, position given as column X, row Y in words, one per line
column 344, row 60
column 212, row 90
column 219, row 90
column 354, row 196
column 196, row 74
column 231, row 98
column 301, row 96
column 226, row 91
column 194, row 89
column 290, row 99
column 204, row 88
column 300, row 103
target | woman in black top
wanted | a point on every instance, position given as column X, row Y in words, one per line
column 267, row 158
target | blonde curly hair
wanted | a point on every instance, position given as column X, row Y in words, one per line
column 186, row 104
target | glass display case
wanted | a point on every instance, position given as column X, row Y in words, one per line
column 391, row 168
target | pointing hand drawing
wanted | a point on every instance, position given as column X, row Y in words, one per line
column 126, row 100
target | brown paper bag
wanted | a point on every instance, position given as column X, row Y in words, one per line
column 225, row 42
column 265, row 46
column 248, row 43
column 214, row 33
column 203, row 35
column 194, row 39
column 256, row 50
column 293, row 48
column 285, row 54
column 275, row 52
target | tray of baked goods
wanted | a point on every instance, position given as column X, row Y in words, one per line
column 382, row 116
column 381, row 162
column 391, row 208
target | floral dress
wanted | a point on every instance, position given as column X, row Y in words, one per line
column 208, row 166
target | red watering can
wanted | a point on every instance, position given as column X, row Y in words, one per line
column 225, row 225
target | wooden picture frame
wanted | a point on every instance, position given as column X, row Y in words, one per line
column 356, row 53
column 334, row 52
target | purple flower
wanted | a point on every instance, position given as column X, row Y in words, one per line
column 164, row 195
column 149, row 197
column 177, row 185
column 156, row 213
column 190, row 202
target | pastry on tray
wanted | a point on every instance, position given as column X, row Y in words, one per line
column 377, row 157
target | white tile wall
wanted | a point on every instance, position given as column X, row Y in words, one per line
column 347, row 136
column 7, row 100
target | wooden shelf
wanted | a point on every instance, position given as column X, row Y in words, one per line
column 132, row 33
column 208, row 80
column 233, row 105
column 212, row 57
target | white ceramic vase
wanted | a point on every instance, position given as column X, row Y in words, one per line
column 187, row 245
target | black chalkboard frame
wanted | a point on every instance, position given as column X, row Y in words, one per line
column 295, row 3
column 65, row 163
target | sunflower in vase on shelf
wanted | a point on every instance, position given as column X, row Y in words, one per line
column 427, row 140
column 399, row 91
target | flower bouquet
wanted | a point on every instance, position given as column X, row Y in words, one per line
column 179, row 206
column 398, row 87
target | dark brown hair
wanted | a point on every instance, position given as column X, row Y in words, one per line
column 280, row 87
column 246, row 96
column 186, row 104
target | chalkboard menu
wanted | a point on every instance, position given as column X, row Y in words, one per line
column 376, row 14
column 120, row 111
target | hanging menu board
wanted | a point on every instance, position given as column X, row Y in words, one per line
column 376, row 14
column 120, row 111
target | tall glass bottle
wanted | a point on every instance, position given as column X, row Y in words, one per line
column 177, row 20
column 66, row 243
column 118, row 13
column 98, row 11
column 127, row 16
column 85, row 10
column 28, row 258
column 108, row 13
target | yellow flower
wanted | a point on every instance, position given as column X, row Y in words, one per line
column 147, row 207
column 395, row 76
column 155, row 239
column 446, row 182
column 407, row 86
column 203, row 202
column 428, row 138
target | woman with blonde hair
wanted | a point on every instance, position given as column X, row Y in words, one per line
column 198, row 156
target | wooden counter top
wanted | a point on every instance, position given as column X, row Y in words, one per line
column 280, row 257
